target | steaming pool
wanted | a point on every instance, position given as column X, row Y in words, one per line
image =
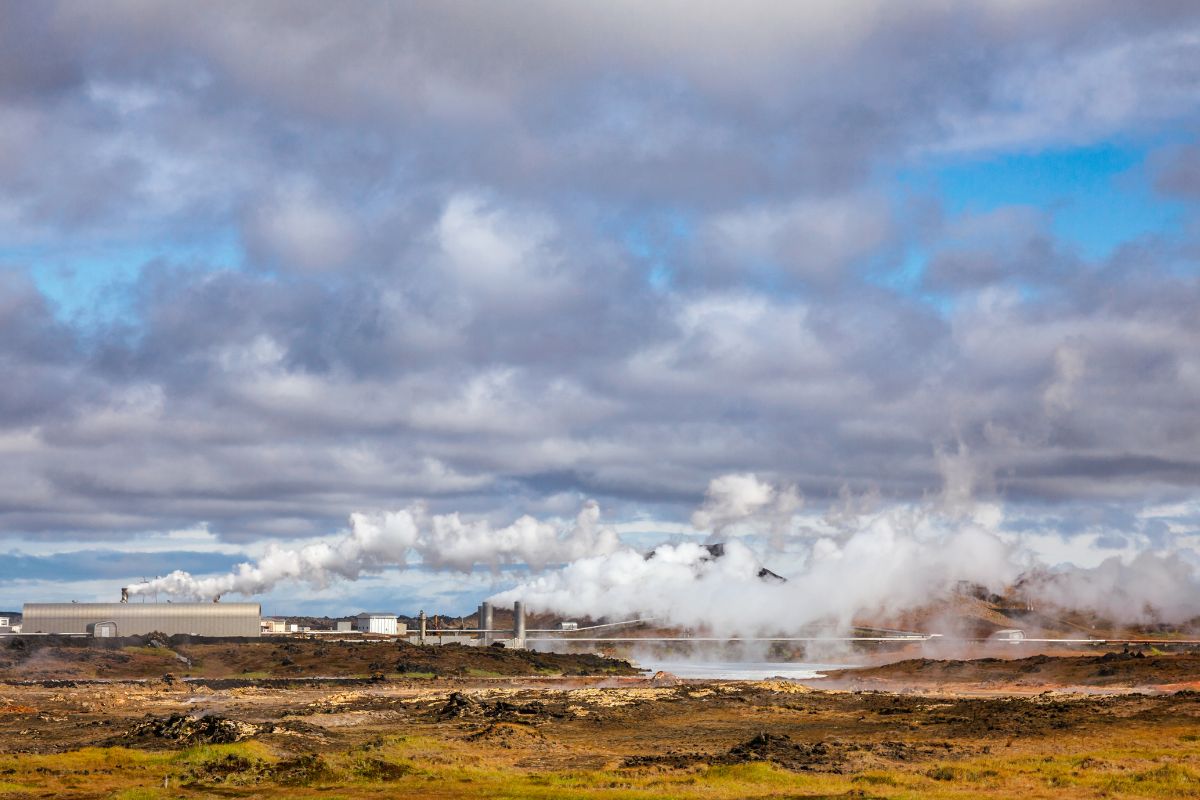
column 741, row 670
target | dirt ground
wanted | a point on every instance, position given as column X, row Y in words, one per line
column 612, row 735
column 1129, row 669
column 67, row 658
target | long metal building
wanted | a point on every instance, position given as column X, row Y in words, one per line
column 134, row 619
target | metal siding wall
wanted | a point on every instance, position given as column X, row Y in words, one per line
column 133, row 619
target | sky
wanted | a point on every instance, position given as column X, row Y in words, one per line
column 264, row 266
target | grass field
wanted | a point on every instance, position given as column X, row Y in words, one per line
column 402, row 766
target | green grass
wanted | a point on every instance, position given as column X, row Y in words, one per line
column 1169, row 780
column 209, row 752
column 1150, row 762
column 7, row 787
column 87, row 758
column 159, row 652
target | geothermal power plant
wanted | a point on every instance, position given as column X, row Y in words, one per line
column 244, row 620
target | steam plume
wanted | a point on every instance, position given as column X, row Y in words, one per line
column 896, row 560
column 390, row 539
column 858, row 558
column 744, row 500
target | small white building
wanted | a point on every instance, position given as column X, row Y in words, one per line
column 273, row 626
column 104, row 630
column 376, row 622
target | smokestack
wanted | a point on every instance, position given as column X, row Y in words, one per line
column 519, row 623
column 124, row 594
column 485, row 621
column 421, row 627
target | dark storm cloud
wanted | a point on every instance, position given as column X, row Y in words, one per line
column 500, row 259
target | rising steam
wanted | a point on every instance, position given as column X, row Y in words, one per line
column 896, row 560
column 855, row 559
column 392, row 539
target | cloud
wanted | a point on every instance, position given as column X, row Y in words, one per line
column 299, row 231
column 816, row 240
column 1177, row 171
column 1008, row 245
column 1074, row 97
column 505, row 262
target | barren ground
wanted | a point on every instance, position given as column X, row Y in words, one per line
column 921, row 731
column 1112, row 670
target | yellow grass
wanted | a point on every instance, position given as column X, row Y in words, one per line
column 430, row 768
column 1136, row 760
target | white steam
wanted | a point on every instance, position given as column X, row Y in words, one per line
column 391, row 539
column 1149, row 587
column 856, row 562
column 745, row 501
column 896, row 560
column 861, row 559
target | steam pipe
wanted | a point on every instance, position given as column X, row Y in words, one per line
column 421, row 627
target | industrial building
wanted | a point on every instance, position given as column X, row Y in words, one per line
column 378, row 622
column 135, row 619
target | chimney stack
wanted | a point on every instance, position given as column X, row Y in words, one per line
column 519, row 624
column 485, row 622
